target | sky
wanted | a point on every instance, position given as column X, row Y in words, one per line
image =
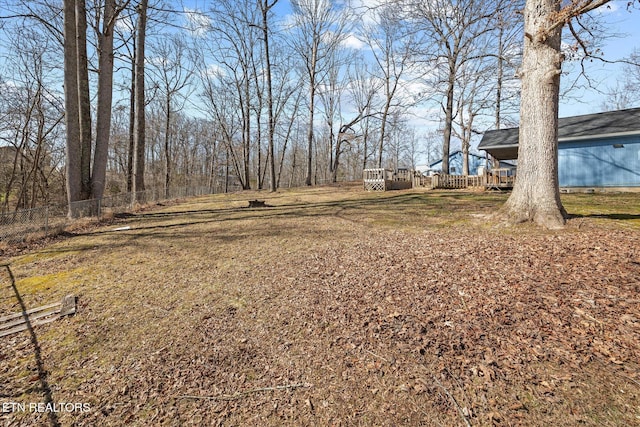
column 615, row 16
column 623, row 35
column 622, row 22
column 626, row 25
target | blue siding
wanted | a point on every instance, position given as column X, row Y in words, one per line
column 597, row 163
column 455, row 163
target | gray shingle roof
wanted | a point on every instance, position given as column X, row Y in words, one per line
column 599, row 125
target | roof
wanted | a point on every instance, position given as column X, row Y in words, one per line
column 503, row 143
column 454, row 153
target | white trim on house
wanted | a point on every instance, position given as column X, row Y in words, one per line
column 600, row 136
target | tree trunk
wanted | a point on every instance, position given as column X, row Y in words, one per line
column 448, row 120
column 536, row 195
column 499, row 83
column 336, row 160
column 284, row 146
column 40, row 141
column 167, row 147
column 105, row 99
column 465, row 158
column 499, row 75
column 132, row 121
column 259, row 171
column 84, row 100
column 312, row 96
column 310, row 134
column 383, row 127
column 272, row 130
column 246, row 183
column 365, row 141
column 293, row 166
column 72, row 110
column 140, row 123
column 226, row 173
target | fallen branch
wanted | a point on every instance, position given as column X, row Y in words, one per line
column 248, row 392
column 375, row 355
column 455, row 402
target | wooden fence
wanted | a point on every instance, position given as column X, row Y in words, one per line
column 420, row 180
column 456, row 181
column 384, row 179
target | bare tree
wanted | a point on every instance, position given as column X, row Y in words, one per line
column 171, row 73
column 626, row 92
column 455, row 34
column 31, row 114
column 105, row 35
column 72, row 108
column 536, row 195
column 474, row 87
column 400, row 141
column 219, row 94
column 320, row 27
column 508, row 54
column 363, row 88
column 392, row 46
column 234, row 57
column 432, row 146
column 139, row 136
column 82, row 181
column 288, row 95
column 343, row 127
column 265, row 7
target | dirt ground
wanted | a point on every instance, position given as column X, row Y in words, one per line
column 331, row 307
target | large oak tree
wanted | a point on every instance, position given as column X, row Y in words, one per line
column 536, row 195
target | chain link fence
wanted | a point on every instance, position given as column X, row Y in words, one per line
column 22, row 225
column 15, row 226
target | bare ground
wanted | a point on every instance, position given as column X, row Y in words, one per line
column 334, row 307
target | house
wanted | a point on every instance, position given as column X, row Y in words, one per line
column 476, row 162
column 594, row 150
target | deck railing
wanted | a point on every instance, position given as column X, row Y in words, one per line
column 456, row 181
column 385, row 179
column 500, row 178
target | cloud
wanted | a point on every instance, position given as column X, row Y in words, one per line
column 367, row 9
column 353, row 42
column 197, row 22
column 215, row 71
column 124, row 23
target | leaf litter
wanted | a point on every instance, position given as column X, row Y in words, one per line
column 336, row 308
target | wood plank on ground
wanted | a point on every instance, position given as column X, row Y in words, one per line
column 17, row 322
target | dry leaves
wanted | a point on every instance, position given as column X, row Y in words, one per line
column 284, row 317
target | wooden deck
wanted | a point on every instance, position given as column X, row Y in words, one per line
column 385, row 179
column 500, row 179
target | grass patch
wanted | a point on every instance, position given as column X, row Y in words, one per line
column 379, row 302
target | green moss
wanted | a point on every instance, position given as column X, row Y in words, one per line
column 58, row 280
column 41, row 256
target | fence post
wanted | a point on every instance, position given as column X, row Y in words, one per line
column 46, row 221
